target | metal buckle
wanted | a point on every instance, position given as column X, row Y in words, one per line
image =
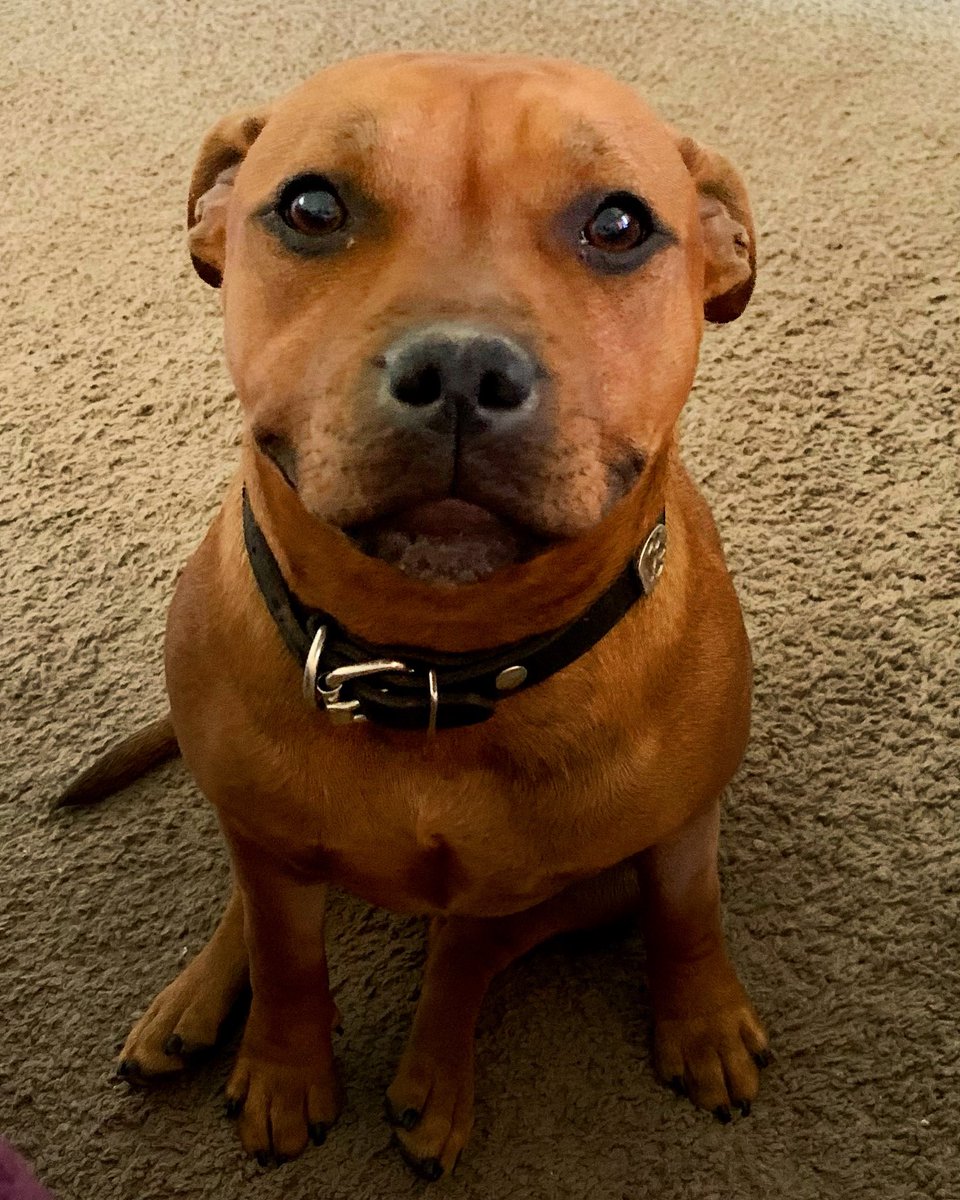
column 328, row 693
column 434, row 701
column 312, row 663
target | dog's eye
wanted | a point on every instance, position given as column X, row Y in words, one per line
column 621, row 223
column 311, row 207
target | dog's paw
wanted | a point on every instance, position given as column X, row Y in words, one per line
column 714, row 1057
column 430, row 1106
column 184, row 1018
column 280, row 1106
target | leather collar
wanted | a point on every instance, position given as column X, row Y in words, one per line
column 407, row 688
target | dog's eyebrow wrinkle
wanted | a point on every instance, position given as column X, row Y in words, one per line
column 357, row 134
column 586, row 146
column 471, row 187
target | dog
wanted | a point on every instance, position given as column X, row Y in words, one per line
column 461, row 639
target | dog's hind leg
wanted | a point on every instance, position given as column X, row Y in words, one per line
column 188, row 1013
column 430, row 1102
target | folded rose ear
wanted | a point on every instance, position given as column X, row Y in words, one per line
column 211, row 186
column 729, row 239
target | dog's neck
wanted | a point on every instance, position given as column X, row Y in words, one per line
column 377, row 603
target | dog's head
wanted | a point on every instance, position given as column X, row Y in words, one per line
column 464, row 298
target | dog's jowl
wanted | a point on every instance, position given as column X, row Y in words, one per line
column 461, row 639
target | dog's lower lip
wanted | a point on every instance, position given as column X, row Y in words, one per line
column 446, row 540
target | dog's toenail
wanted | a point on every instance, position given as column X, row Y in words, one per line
column 317, row 1132
column 280, row 1159
column 128, row 1069
column 233, row 1108
column 428, row 1168
column 677, row 1086
column 763, row 1058
column 263, row 1158
column 744, row 1108
column 173, row 1045
column 406, row 1118
column 722, row 1113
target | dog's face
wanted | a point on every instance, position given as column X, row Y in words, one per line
column 464, row 297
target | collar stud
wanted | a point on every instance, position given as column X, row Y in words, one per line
column 649, row 561
column 510, row 678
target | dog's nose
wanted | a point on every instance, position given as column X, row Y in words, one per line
column 484, row 374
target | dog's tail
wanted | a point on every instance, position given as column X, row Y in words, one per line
column 122, row 764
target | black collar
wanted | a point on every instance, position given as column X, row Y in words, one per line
column 416, row 689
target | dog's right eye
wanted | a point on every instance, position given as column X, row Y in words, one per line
column 620, row 224
column 311, row 207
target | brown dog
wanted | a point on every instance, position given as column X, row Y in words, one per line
column 463, row 300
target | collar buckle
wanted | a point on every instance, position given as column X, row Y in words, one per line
column 326, row 691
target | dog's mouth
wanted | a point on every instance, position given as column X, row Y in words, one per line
column 448, row 541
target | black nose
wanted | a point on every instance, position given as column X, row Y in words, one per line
column 478, row 372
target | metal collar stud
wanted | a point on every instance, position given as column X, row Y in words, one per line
column 651, row 557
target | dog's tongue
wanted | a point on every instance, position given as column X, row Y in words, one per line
column 449, row 518
column 444, row 541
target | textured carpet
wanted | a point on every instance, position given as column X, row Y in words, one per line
column 824, row 431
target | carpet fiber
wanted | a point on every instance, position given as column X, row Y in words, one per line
column 823, row 429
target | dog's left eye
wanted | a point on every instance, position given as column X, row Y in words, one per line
column 620, row 224
column 311, row 207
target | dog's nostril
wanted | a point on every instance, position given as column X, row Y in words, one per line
column 500, row 391
column 418, row 387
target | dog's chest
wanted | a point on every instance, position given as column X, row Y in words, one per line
column 420, row 868
column 462, row 841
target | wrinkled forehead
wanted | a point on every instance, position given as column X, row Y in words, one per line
column 414, row 126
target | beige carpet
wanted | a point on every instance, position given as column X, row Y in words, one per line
column 824, row 430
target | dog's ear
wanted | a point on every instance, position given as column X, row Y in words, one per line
column 729, row 238
column 211, row 184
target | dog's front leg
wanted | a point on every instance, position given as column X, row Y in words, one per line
column 430, row 1102
column 284, row 1088
column 708, row 1041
